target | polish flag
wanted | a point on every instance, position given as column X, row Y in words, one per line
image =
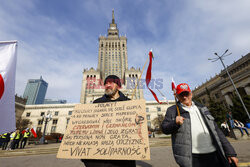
column 8, row 58
column 33, row 131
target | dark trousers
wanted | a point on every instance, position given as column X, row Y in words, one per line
column 5, row 144
column 12, row 144
column 16, row 143
column 109, row 163
column 207, row 160
column 23, row 142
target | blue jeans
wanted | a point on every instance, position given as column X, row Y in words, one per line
column 240, row 128
column 231, row 123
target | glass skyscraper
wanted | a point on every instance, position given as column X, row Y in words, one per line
column 35, row 91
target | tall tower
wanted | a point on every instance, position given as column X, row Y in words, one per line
column 35, row 91
column 112, row 56
column 112, row 60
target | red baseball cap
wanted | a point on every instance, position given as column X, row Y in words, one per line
column 183, row 87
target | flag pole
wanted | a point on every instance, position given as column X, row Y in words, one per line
column 178, row 110
column 8, row 42
column 175, row 98
column 139, row 79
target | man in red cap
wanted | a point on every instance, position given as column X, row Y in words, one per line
column 196, row 139
column 112, row 85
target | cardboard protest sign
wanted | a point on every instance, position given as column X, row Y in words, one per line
column 114, row 130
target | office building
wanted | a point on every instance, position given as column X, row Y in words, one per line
column 35, row 91
column 51, row 101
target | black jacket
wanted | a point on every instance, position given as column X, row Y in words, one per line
column 109, row 163
column 106, row 98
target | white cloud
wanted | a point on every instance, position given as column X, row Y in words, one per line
column 42, row 52
column 195, row 32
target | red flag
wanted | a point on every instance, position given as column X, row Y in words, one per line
column 148, row 76
column 33, row 131
column 1, row 86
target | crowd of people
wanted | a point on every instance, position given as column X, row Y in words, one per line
column 14, row 140
column 234, row 124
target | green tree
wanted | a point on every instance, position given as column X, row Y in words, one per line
column 218, row 110
column 237, row 109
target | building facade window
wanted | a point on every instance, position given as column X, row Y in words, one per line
column 56, row 113
column 147, row 109
column 28, row 114
column 149, row 124
column 40, row 122
column 158, row 109
column 42, row 113
column 148, row 117
column 67, row 122
column 70, row 113
column 53, row 129
column 216, row 95
column 54, row 121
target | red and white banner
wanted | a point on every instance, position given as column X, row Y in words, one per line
column 33, row 131
column 8, row 58
column 148, row 76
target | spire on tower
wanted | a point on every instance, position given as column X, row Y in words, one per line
column 113, row 17
column 113, row 31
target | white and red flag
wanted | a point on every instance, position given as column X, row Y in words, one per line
column 8, row 58
column 148, row 76
column 173, row 86
column 33, row 131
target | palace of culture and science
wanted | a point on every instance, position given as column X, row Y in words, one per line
column 112, row 60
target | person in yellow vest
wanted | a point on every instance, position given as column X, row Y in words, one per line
column 17, row 139
column 6, row 139
column 25, row 138
column 11, row 144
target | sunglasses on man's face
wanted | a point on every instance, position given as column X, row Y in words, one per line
column 182, row 94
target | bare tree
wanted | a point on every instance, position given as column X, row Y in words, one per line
column 157, row 123
column 22, row 124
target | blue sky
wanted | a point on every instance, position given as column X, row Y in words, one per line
column 58, row 39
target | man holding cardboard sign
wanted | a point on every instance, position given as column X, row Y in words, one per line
column 112, row 85
column 112, row 132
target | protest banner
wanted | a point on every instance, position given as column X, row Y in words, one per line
column 114, row 130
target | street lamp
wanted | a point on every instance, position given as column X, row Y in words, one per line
column 221, row 59
column 46, row 119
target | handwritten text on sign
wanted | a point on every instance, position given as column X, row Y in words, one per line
column 114, row 130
